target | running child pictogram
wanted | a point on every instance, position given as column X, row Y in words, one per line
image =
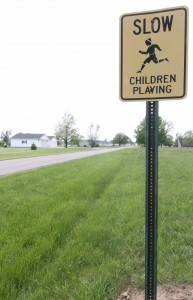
column 152, row 55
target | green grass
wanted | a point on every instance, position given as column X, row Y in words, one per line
column 76, row 230
column 12, row 153
column 176, row 216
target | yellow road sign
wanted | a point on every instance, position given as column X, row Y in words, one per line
column 153, row 55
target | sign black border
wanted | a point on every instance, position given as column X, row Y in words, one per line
column 185, row 54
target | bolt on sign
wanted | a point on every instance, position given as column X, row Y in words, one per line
column 153, row 55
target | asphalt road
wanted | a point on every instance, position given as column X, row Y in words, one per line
column 8, row 167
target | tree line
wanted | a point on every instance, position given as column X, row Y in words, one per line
column 67, row 133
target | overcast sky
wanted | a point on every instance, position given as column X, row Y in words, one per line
column 63, row 55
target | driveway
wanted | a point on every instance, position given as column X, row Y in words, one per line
column 8, row 167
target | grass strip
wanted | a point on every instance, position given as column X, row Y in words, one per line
column 76, row 230
column 13, row 153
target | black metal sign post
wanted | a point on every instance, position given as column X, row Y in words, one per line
column 151, row 200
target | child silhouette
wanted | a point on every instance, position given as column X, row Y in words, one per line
column 152, row 56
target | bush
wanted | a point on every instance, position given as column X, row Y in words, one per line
column 33, row 147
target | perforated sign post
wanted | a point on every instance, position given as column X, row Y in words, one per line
column 153, row 67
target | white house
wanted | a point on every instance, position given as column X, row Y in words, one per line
column 25, row 140
column 53, row 141
column 84, row 143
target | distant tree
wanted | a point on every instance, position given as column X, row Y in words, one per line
column 93, row 134
column 164, row 137
column 164, row 128
column 188, row 138
column 188, row 135
column 66, row 130
column 121, row 139
column 75, row 139
column 140, row 132
column 169, row 141
column 5, row 137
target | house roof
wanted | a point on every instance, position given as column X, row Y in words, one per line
column 27, row 135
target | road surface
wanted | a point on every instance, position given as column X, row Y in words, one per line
column 12, row 166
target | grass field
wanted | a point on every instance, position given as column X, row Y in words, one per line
column 11, row 153
column 76, row 230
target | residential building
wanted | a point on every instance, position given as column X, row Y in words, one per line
column 25, row 140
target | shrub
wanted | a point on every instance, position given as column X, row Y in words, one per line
column 33, row 146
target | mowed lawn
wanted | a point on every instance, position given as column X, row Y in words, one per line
column 12, row 153
column 76, row 230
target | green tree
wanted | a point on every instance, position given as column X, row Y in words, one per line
column 169, row 141
column 75, row 139
column 93, row 134
column 164, row 128
column 140, row 132
column 164, row 137
column 121, row 139
column 5, row 137
column 188, row 138
column 66, row 130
